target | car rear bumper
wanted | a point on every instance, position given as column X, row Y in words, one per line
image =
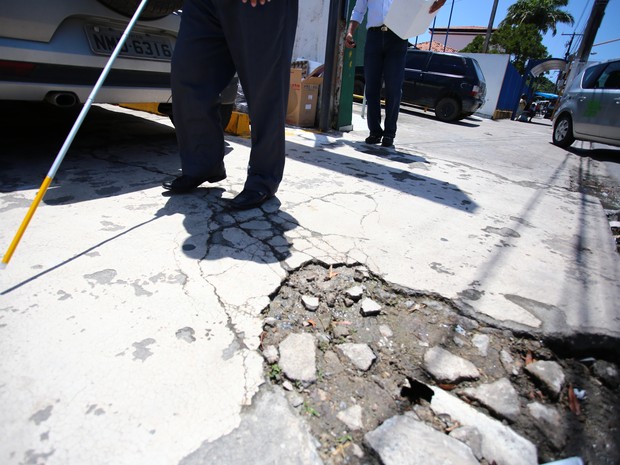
column 471, row 105
column 35, row 82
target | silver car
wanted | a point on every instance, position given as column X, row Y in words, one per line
column 590, row 109
column 55, row 51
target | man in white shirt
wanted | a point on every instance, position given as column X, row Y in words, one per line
column 384, row 60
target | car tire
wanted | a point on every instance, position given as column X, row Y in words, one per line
column 563, row 131
column 447, row 109
column 154, row 8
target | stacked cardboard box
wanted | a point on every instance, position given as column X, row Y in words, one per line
column 303, row 96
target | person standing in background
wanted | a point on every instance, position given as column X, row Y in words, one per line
column 384, row 61
column 216, row 39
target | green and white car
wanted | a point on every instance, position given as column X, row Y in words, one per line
column 590, row 109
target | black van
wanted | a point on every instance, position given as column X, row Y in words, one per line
column 451, row 84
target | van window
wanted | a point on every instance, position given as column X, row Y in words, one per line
column 416, row 60
column 447, row 64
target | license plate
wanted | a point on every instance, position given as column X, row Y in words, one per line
column 103, row 41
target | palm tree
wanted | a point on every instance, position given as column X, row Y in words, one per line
column 544, row 14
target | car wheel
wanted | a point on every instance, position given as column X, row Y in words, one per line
column 447, row 109
column 154, row 8
column 563, row 131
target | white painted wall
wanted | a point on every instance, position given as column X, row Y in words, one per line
column 311, row 37
column 494, row 69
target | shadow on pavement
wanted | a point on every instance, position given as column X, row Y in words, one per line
column 416, row 185
column 216, row 231
column 468, row 122
column 598, row 154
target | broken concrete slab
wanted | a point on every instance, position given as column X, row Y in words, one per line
column 404, row 440
column 499, row 442
column 269, row 432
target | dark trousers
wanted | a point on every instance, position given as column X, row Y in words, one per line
column 384, row 61
column 217, row 38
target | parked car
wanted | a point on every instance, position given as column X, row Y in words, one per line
column 451, row 84
column 56, row 52
column 590, row 109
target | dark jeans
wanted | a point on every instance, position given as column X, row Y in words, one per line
column 384, row 61
column 217, row 38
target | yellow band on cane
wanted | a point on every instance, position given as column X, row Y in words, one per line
column 20, row 232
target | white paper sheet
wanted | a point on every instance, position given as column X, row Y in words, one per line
column 409, row 18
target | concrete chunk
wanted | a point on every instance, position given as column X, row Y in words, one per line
column 448, row 368
column 499, row 442
column 500, row 397
column 298, row 357
column 550, row 374
column 360, row 355
column 403, row 440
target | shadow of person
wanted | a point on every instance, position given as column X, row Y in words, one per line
column 217, row 231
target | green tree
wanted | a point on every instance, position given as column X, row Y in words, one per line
column 521, row 42
column 545, row 15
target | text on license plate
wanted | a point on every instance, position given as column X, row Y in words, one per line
column 103, row 41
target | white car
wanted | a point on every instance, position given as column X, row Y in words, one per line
column 55, row 50
column 590, row 109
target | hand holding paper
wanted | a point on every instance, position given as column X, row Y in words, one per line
column 410, row 18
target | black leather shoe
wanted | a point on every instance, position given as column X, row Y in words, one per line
column 387, row 142
column 249, row 199
column 373, row 139
column 188, row 183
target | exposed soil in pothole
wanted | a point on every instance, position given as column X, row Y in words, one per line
column 410, row 323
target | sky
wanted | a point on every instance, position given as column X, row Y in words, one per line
column 478, row 13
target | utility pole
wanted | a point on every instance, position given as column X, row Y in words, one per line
column 487, row 37
column 594, row 22
column 589, row 34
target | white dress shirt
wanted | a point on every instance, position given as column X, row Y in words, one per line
column 377, row 11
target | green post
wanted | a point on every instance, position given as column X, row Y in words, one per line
column 351, row 58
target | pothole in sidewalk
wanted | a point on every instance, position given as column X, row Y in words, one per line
column 367, row 369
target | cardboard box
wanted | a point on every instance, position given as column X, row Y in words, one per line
column 303, row 98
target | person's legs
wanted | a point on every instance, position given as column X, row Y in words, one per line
column 261, row 43
column 201, row 69
column 373, row 75
column 395, row 52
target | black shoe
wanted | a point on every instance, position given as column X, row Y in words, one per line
column 249, row 199
column 387, row 142
column 188, row 183
column 373, row 139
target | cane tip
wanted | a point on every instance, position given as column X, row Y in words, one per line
column 2, row 265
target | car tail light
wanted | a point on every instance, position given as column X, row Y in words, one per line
column 16, row 68
column 474, row 91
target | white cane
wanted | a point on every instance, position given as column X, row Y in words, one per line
column 65, row 147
